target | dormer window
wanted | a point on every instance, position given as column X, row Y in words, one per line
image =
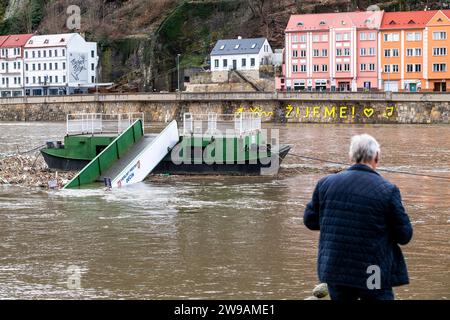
column 411, row 22
column 368, row 21
column 322, row 23
column 62, row 40
column 46, row 41
column 236, row 47
column 300, row 24
column 254, row 46
column 439, row 20
column 222, row 47
column 30, row 42
column 392, row 22
column 343, row 22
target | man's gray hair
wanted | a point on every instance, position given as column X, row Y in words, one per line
column 363, row 148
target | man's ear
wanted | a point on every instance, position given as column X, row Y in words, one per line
column 376, row 158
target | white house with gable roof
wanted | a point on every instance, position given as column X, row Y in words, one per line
column 241, row 54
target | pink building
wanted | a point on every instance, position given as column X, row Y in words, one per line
column 332, row 51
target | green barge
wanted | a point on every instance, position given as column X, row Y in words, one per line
column 206, row 144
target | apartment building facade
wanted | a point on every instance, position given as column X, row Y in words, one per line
column 357, row 51
column 11, row 64
column 59, row 64
column 332, row 51
column 46, row 64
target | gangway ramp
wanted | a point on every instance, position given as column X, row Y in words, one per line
column 117, row 149
column 143, row 157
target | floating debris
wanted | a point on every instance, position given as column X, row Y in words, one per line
column 319, row 292
column 31, row 171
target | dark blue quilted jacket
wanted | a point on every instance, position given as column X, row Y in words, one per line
column 362, row 222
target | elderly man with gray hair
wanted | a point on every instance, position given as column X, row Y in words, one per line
column 362, row 222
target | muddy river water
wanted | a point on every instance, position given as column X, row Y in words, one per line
column 215, row 237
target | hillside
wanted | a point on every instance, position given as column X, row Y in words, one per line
column 140, row 39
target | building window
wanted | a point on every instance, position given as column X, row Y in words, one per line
column 439, row 35
column 363, row 36
column 50, row 53
column 324, row 38
column 339, row 52
column 387, row 68
column 45, row 65
column 346, row 51
column 371, row 66
column 387, row 52
column 440, row 51
column 316, row 68
column 56, row 65
column 347, row 67
column 34, row 79
column 26, row 54
column 339, row 67
column 324, row 52
column 56, row 52
column 56, row 79
column 63, row 52
column 338, row 36
column 39, row 67
column 439, row 67
column 316, row 38
column 303, row 53
column 34, row 67
column 303, row 38
column 33, row 53
column 294, row 38
column 26, row 66
column 362, row 67
column 64, row 79
column 295, row 53
column 389, row 37
column 294, row 68
column 93, row 79
column 413, row 36
column 324, row 68
column 303, row 68
column 225, row 63
column 64, row 66
column 418, row 67
column 26, row 80
column 44, row 53
column 244, row 62
column 39, row 53
column 362, row 51
column 92, row 54
column 395, row 68
column 395, row 52
column 252, row 62
column 315, row 52
column 346, row 36
column 409, row 68
column 216, row 63
column 371, row 51
column 50, row 65
column 371, row 35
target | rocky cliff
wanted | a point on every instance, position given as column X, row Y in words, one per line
column 139, row 39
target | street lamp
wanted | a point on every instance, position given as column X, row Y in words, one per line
column 178, row 71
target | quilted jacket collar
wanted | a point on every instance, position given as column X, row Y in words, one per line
column 362, row 167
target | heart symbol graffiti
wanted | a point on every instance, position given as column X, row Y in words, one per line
column 368, row 112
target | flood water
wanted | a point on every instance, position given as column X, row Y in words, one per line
column 215, row 237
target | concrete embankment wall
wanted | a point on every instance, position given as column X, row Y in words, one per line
column 278, row 107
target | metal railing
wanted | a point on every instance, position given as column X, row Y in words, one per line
column 95, row 123
column 213, row 124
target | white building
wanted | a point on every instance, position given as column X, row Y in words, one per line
column 59, row 64
column 241, row 54
column 11, row 64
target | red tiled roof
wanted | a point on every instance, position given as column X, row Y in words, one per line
column 407, row 19
column 3, row 39
column 323, row 21
column 16, row 40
